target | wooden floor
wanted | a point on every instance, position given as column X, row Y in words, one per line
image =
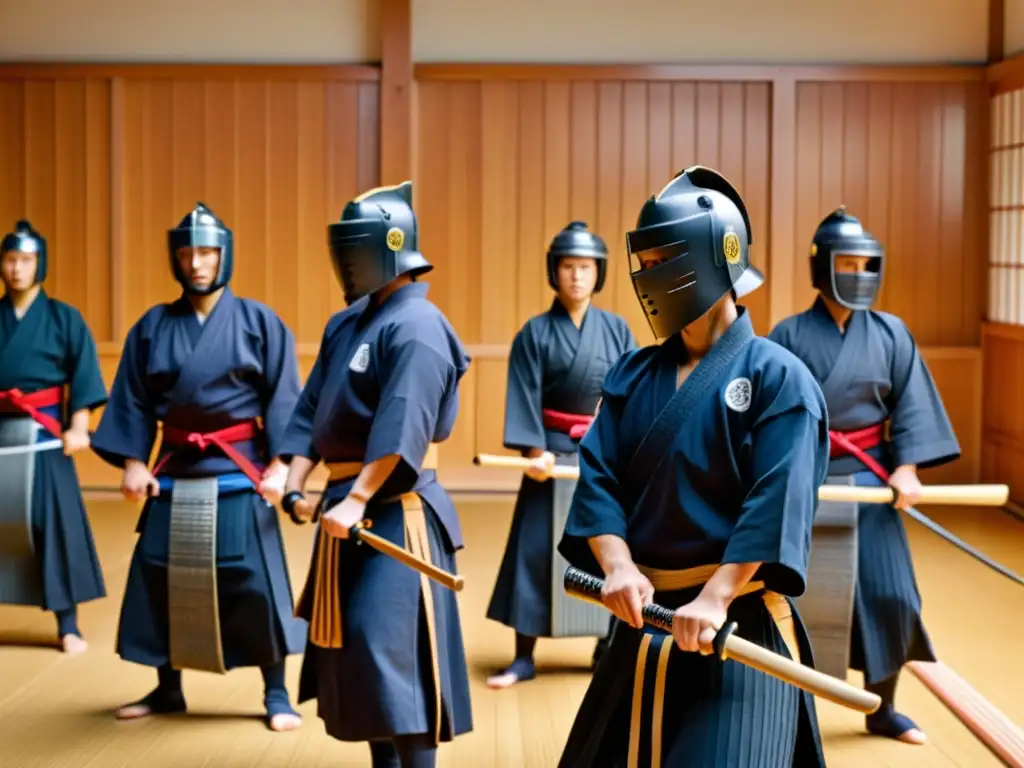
column 55, row 711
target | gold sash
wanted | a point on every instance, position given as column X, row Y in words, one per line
column 325, row 630
column 667, row 581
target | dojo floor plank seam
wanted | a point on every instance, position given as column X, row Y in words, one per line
column 55, row 712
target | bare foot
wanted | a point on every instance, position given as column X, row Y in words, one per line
column 519, row 670
column 283, row 721
column 133, row 711
column 896, row 726
column 156, row 703
column 913, row 736
column 504, row 680
column 74, row 645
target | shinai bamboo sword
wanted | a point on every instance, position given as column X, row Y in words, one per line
column 584, row 586
column 971, row 495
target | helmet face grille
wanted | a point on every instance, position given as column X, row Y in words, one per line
column 690, row 248
column 841, row 237
column 375, row 241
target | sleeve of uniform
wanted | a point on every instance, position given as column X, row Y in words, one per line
column 788, row 462
column 780, row 335
column 282, row 375
column 416, row 372
column 86, row 389
column 298, row 435
column 921, row 432
column 524, row 425
column 595, row 509
column 128, row 426
column 628, row 340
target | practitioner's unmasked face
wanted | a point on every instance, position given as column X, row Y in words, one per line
column 19, row 270
column 577, row 277
column 199, row 265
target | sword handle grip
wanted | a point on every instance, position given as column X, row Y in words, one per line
column 728, row 646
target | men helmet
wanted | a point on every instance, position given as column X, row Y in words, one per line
column 698, row 231
column 202, row 229
column 577, row 240
column 840, row 234
column 376, row 241
column 26, row 239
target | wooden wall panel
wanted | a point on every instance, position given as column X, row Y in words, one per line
column 504, row 165
column 276, row 160
column 1002, row 457
column 105, row 159
column 55, row 171
column 958, row 376
column 907, row 160
column 509, row 154
column 511, row 163
column 504, row 157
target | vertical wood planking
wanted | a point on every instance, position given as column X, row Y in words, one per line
column 756, row 187
column 555, row 151
column 68, row 225
column 12, row 152
column 499, row 249
column 40, row 179
column 636, row 186
column 55, row 162
column 795, row 149
column 275, row 159
column 784, row 251
column 512, row 162
column 502, row 165
column 309, row 242
column 343, row 137
column 898, row 156
column 104, row 162
column 433, row 200
column 94, row 199
column 396, row 91
column 531, row 239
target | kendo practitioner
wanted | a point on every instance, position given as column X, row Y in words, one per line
column 50, row 380
column 556, row 365
column 698, row 485
column 382, row 394
column 888, row 420
column 208, row 586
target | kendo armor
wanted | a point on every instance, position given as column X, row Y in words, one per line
column 27, row 240
column 577, row 240
column 202, row 229
column 840, row 234
column 375, row 241
column 698, row 228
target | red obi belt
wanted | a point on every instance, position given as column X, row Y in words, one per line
column 575, row 425
column 857, row 443
column 16, row 401
column 224, row 439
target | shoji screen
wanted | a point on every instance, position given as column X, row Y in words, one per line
column 1006, row 210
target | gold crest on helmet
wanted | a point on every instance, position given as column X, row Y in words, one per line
column 395, row 239
column 731, row 247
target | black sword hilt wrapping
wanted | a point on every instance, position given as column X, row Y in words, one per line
column 583, row 585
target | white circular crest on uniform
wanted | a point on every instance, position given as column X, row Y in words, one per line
column 361, row 359
column 738, row 394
